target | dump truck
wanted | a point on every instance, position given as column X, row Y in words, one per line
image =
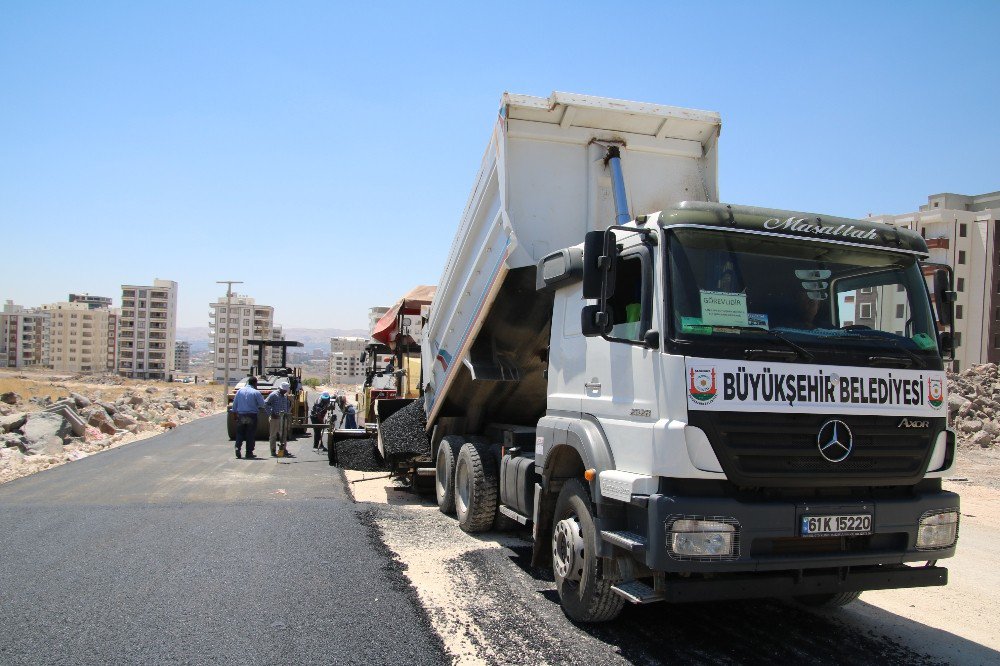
column 268, row 380
column 685, row 400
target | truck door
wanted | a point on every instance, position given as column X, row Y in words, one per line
column 620, row 381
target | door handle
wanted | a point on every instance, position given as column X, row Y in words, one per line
column 592, row 385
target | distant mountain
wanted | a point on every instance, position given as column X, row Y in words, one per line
column 311, row 338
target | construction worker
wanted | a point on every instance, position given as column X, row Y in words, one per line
column 349, row 415
column 246, row 403
column 278, row 407
column 318, row 415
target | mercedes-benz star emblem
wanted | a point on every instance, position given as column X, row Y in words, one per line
column 835, row 441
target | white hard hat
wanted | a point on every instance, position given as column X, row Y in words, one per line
column 284, row 386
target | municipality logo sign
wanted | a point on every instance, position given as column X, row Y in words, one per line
column 935, row 393
column 702, row 388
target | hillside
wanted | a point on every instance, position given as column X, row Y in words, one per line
column 312, row 338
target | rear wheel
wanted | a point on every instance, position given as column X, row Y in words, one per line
column 444, row 472
column 476, row 487
column 833, row 600
column 575, row 564
column 231, row 426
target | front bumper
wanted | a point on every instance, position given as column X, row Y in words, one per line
column 768, row 537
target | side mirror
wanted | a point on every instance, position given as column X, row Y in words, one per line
column 652, row 339
column 946, row 343
column 594, row 322
column 593, row 276
column 944, row 297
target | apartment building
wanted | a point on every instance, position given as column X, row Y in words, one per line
column 345, row 360
column 962, row 231
column 147, row 330
column 182, row 356
column 93, row 302
column 230, row 326
column 274, row 354
column 374, row 314
column 78, row 338
column 24, row 337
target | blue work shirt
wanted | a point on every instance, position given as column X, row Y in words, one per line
column 247, row 401
column 277, row 403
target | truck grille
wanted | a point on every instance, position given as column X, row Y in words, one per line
column 763, row 449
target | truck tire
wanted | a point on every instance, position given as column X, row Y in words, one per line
column 575, row 564
column 476, row 487
column 231, row 426
column 833, row 600
column 444, row 472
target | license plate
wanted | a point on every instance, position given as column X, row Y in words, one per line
column 836, row 525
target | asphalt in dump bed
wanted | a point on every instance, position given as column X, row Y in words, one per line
column 404, row 432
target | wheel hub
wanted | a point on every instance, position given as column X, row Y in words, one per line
column 567, row 549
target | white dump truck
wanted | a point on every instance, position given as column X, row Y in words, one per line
column 685, row 400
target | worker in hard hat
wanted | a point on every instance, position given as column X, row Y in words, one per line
column 278, row 408
column 317, row 415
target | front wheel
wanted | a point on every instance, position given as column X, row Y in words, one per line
column 575, row 564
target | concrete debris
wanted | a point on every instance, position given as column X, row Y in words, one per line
column 98, row 418
column 12, row 422
column 10, row 398
column 974, row 405
column 80, row 401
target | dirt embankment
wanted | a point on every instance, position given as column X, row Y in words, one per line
column 48, row 420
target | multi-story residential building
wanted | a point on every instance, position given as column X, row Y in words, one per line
column 182, row 356
column 345, row 360
column 963, row 232
column 230, row 326
column 24, row 337
column 93, row 302
column 147, row 330
column 78, row 337
column 374, row 314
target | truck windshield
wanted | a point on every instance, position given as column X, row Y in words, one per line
column 737, row 294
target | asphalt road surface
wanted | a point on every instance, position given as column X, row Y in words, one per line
column 171, row 550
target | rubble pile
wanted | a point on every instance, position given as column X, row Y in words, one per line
column 40, row 432
column 974, row 405
column 360, row 455
column 404, row 432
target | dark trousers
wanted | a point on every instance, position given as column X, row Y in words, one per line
column 245, row 432
column 317, row 432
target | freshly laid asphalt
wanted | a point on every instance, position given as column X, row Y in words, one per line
column 170, row 550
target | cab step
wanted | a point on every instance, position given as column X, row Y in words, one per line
column 630, row 541
column 637, row 592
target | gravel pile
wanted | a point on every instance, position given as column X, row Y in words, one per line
column 360, row 455
column 403, row 433
column 974, row 405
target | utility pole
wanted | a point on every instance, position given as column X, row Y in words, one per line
column 229, row 309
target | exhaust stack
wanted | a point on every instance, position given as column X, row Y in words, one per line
column 614, row 161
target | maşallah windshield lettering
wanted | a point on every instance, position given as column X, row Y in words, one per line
column 800, row 225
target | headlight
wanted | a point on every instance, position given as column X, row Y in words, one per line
column 708, row 538
column 937, row 530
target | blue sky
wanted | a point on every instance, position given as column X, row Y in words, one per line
column 323, row 153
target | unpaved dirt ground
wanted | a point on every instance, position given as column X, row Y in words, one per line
column 488, row 605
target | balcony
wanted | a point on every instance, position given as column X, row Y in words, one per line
column 937, row 243
column 128, row 293
column 158, row 294
column 157, row 305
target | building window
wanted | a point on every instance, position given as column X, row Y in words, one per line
column 899, row 288
column 958, row 312
column 955, row 367
column 958, row 340
column 866, row 311
column 961, row 256
column 900, row 311
column 962, row 230
column 923, row 232
column 996, row 341
column 961, row 284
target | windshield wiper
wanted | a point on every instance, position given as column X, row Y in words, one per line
column 799, row 352
column 895, row 345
